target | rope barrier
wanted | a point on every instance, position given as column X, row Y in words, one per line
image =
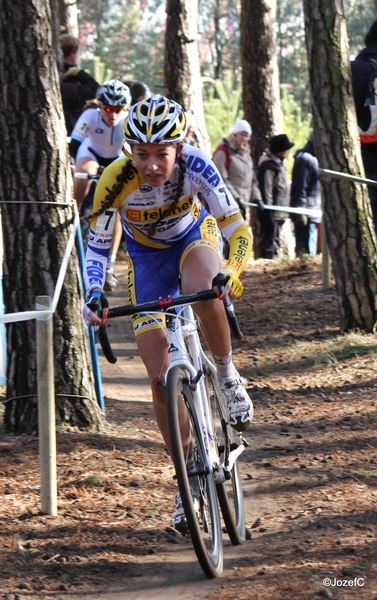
column 43, row 314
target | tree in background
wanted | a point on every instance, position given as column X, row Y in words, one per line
column 36, row 219
column 222, row 106
column 260, row 82
column 182, row 70
column 347, row 217
column 126, row 36
column 293, row 65
column 68, row 22
column 359, row 17
column 219, row 45
column 292, row 58
column 260, row 75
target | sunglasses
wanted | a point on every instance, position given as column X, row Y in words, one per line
column 111, row 109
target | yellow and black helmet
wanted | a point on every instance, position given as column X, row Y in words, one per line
column 155, row 120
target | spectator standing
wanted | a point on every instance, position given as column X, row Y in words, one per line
column 362, row 72
column 233, row 159
column 306, row 193
column 192, row 127
column 76, row 85
column 274, row 187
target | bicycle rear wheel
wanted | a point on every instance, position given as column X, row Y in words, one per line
column 230, row 491
column 205, row 528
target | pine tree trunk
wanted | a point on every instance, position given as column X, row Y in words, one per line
column 34, row 170
column 68, row 17
column 260, row 81
column 347, row 215
column 182, row 69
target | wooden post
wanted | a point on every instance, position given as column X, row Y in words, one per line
column 46, row 409
column 326, row 263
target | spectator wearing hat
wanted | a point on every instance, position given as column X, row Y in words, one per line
column 275, row 190
column 362, row 69
column 233, row 159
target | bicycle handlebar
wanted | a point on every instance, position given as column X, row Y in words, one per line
column 163, row 305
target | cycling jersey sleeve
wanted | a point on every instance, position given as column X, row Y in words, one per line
column 82, row 125
column 204, row 174
column 240, row 249
column 101, row 230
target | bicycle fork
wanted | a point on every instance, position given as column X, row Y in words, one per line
column 178, row 335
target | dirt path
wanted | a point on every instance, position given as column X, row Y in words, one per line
column 175, row 574
column 309, row 475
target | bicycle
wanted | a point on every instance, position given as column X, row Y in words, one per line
column 191, row 375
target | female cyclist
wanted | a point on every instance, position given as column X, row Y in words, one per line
column 96, row 140
column 172, row 240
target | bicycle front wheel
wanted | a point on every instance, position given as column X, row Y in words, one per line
column 205, row 527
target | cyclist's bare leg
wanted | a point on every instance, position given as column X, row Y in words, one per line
column 81, row 187
column 153, row 349
column 199, row 268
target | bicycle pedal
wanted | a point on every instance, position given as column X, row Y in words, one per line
column 244, row 441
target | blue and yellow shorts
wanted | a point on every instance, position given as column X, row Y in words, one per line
column 154, row 273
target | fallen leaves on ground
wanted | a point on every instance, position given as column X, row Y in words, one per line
column 310, row 473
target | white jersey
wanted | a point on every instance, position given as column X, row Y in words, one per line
column 93, row 133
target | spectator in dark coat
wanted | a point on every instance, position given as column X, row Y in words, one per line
column 274, row 187
column 306, row 193
column 76, row 85
column 362, row 70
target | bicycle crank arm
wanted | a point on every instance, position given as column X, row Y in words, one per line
column 234, row 454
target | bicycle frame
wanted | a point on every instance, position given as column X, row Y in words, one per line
column 185, row 350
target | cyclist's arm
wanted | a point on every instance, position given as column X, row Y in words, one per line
column 101, row 230
column 74, row 145
column 227, row 214
column 240, row 248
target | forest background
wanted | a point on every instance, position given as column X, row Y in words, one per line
column 125, row 39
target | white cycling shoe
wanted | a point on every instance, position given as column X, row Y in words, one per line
column 179, row 517
column 240, row 406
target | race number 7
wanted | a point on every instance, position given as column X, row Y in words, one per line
column 109, row 214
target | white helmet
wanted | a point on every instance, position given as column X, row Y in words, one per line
column 114, row 93
column 155, row 120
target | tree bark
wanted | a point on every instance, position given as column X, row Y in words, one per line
column 34, row 170
column 182, row 70
column 68, row 17
column 260, row 82
column 347, row 214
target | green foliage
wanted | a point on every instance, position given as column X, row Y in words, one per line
column 126, row 39
column 222, row 107
column 359, row 17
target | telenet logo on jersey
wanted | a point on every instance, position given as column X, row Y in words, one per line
column 143, row 215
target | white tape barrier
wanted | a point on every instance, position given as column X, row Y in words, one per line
column 310, row 212
column 43, row 314
column 337, row 175
column 82, row 175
